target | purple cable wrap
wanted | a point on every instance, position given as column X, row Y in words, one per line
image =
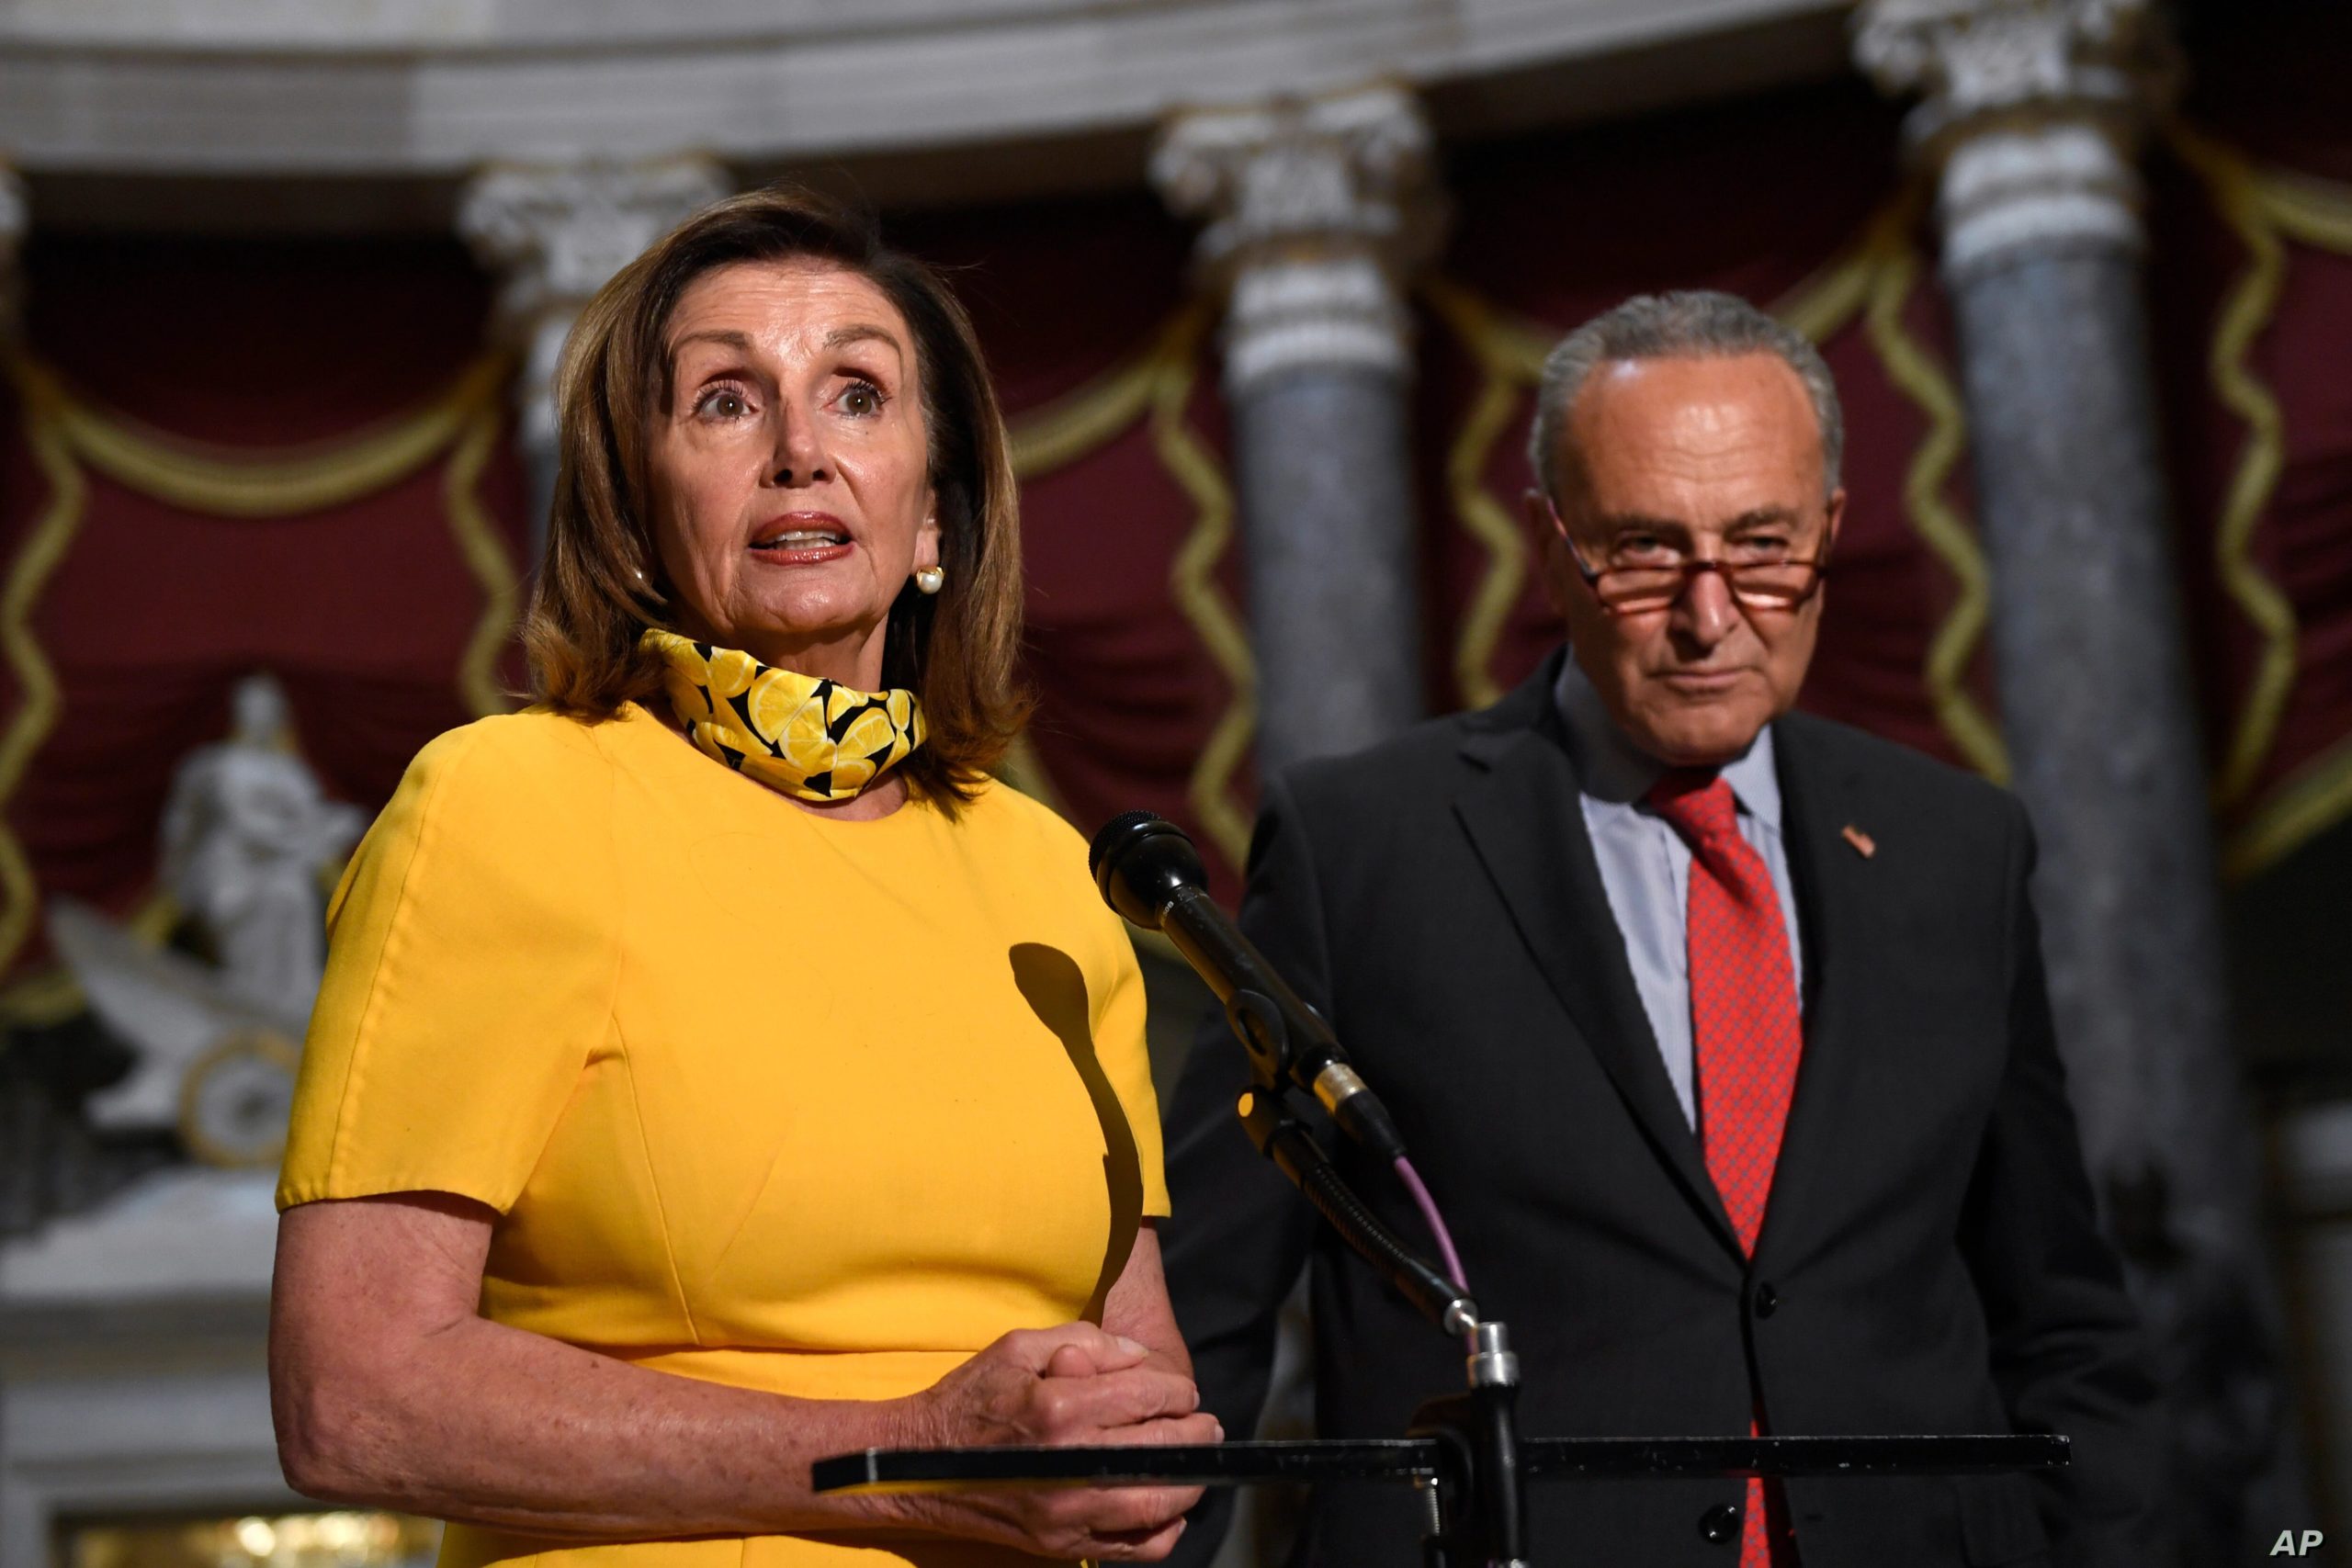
column 1428, row 1206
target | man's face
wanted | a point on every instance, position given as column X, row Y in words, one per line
column 1665, row 462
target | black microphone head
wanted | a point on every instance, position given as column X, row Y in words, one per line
column 1140, row 862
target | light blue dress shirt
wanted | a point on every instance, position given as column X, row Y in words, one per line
column 1645, row 866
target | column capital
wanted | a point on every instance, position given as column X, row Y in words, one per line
column 554, row 235
column 2031, row 109
column 557, row 234
column 1976, row 62
column 1319, row 209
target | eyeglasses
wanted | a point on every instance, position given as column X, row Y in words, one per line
column 1755, row 585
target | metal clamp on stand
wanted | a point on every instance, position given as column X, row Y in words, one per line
column 1480, row 1496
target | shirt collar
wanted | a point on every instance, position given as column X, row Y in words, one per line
column 1613, row 769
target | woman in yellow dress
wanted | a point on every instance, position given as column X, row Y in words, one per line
column 715, row 1069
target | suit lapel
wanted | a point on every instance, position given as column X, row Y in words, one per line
column 1519, row 808
column 1834, row 891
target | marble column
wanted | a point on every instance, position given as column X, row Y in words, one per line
column 555, row 235
column 1318, row 210
column 2029, row 112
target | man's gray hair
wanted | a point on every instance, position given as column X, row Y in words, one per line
column 1697, row 324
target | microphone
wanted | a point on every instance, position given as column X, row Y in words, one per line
column 1148, row 871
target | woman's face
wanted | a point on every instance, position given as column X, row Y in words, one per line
column 791, row 490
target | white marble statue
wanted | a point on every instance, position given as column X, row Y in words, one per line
column 244, row 835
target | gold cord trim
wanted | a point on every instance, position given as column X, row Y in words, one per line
column 65, row 433
column 1058, row 433
column 2305, row 803
column 1500, row 338
column 2246, row 315
column 38, row 701
column 41, row 1000
column 2263, row 208
column 1156, row 384
column 1500, row 352
column 485, row 556
column 1192, row 580
column 2278, row 205
column 1074, row 426
column 1822, row 304
column 1916, row 374
column 2316, row 212
column 221, row 484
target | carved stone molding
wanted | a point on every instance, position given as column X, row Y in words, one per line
column 438, row 87
column 1317, row 212
column 555, row 236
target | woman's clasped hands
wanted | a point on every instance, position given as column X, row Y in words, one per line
column 1067, row 1386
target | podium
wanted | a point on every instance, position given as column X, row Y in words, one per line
column 1420, row 1461
column 1464, row 1452
column 1474, row 1513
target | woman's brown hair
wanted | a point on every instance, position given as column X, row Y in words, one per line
column 599, row 582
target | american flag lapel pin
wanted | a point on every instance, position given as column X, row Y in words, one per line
column 1864, row 845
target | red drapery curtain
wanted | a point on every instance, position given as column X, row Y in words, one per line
column 151, row 369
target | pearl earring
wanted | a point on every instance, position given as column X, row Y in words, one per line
column 929, row 579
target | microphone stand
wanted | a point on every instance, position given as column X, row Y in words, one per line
column 1462, row 1451
column 1477, row 1497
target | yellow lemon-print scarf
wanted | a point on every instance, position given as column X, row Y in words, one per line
column 813, row 739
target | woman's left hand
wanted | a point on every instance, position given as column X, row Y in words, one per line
column 1104, row 1394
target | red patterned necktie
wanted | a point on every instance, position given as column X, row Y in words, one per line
column 1745, row 1036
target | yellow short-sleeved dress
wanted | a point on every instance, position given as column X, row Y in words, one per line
column 775, row 1099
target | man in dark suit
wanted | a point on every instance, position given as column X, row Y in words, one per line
column 1719, row 1031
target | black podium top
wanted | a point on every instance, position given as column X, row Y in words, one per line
column 1373, row 1458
